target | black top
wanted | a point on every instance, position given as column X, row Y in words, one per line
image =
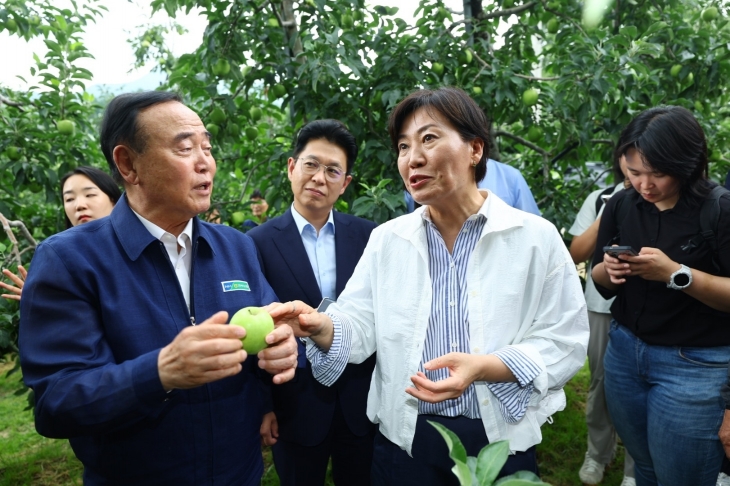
column 654, row 313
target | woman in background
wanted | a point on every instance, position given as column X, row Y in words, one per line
column 669, row 341
column 87, row 193
column 602, row 437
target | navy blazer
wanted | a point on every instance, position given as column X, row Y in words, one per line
column 100, row 302
column 304, row 407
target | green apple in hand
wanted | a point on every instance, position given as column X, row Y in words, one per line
column 257, row 323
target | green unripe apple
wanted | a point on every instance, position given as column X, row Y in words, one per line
column 347, row 21
column 279, row 90
column 529, row 97
column 238, row 217
column 255, row 113
column 13, row 153
column 690, row 78
column 221, row 67
column 709, row 14
column 66, row 127
column 466, row 56
column 218, row 116
column 252, row 133
column 213, row 129
column 34, row 20
column 233, row 129
column 476, row 90
column 698, row 106
column 273, row 22
column 553, row 25
column 534, row 133
column 11, row 25
column 675, row 70
column 437, row 68
column 245, row 70
column 358, row 15
column 257, row 323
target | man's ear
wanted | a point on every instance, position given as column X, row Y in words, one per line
column 290, row 166
column 347, row 183
column 125, row 159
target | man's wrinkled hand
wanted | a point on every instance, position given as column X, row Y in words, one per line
column 280, row 357
column 202, row 354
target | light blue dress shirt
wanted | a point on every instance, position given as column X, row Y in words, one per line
column 320, row 249
column 507, row 183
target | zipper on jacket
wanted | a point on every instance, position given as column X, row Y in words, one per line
column 189, row 311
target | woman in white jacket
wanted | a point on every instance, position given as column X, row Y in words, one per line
column 474, row 308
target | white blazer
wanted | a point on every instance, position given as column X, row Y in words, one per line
column 523, row 292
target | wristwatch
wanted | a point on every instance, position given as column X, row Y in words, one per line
column 681, row 279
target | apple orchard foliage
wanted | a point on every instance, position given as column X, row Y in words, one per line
column 264, row 68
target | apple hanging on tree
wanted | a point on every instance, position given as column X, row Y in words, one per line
column 66, row 127
column 257, row 323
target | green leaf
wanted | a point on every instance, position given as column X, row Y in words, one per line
column 490, row 461
column 655, row 27
column 457, row 453
column 521, row 478
column 629, row 31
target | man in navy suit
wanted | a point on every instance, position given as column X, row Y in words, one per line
column 123, row 334
column 306, row 254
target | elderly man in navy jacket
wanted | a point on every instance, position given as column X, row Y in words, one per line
column 306, row 254
column 122, row 329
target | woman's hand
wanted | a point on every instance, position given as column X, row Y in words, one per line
column 617, row 270
column 304, row 320
column 18, row 280
column 464, row 369
column 652, row 264
column 290, row 312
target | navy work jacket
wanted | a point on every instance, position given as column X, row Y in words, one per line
column 100, row 302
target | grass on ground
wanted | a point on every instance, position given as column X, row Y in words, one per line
column 26, row 458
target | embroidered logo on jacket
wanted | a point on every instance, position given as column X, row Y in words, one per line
column 232, row 285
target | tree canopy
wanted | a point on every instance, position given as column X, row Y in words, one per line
column 557, row 91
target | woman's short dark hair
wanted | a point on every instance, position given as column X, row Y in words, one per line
column 101, row 179
column 671, row 142
column 453, row 104
column 120, row 123
column 334, row 131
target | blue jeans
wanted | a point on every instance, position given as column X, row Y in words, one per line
column 665, row 404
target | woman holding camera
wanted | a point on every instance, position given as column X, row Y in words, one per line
column 669, row 342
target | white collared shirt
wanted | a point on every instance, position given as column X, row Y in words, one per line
column 320, row 249
column 181, row 259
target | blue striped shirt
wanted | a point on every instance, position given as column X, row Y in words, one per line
column 448, row 328
column 448, row 331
